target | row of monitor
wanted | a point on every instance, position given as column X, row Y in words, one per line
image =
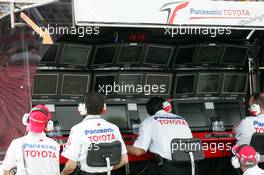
column 195, row 112
column 132, row 84
column 150, row 55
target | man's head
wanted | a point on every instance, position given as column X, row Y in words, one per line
column 245, row 157
column 38, row 119
column 257, row 106
column 94, row 103
column 155, row 104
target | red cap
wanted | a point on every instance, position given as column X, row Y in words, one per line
column 246, row 154
column 38, row 118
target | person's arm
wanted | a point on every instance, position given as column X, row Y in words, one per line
column 10, row 158
column 124, row 160
column 135, row 150
column 69, row 167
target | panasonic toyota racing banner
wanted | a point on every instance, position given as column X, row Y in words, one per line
column 159, row 13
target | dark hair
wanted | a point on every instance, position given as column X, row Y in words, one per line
column 94, row 103
column 154, row 105
column 259, row 99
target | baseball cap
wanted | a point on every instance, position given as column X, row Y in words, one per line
column 246, row 154
column 38, row 118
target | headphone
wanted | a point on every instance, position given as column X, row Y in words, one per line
column 166, row 106
column 237, row 159
column 255, row 108
column 50, row 124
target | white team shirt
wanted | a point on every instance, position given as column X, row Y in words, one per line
column 93, row 129
column 248, row 127
column 157, row 132
column 254, row 171
column 41, row 155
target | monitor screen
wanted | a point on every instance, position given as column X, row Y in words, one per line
column 130, row 54
column 235, row 84
column 235, row 55
column 185, row 54
column 104, row 83
column 50, row 54
column 208, row 83
column 228, row 112
column 142, row 111
column 158, row 55
column 74, row 85
column 117, row 115
column 45, row 84
column 129, row 83
column 75, row 55
column 208, row 54
column 104, row 54
column 194, row 114
column 67, row 116
column 185, row 84
column 158, row 84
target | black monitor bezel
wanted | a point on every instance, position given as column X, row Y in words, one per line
column 232, row 93
column 207, row 45
column 186, row 94
column 75, row 45
column 177, row 53
column 130, row 63
column 237, row 46
column 47, row 96
column 104, row 74
column 74, row 96
column 52, row 63
column 159, row 74
column 208, row 94
column 93, row 65
column 161, row 46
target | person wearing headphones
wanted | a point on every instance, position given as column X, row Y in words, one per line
column 246, row 158
column 156, row 134
column 248, row 126
column 92, row 130
column 34, row 153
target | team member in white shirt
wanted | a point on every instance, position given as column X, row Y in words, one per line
column 156, row 134
column 252, row 124
column 246, row 158
column 93, row 129
column 35, row 153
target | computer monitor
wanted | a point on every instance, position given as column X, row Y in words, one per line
column 75, row 85
column 129, row 83
column 184, row 84
column 142, row 111
column 130, row 54
column 228, row 112
column 158, row 85
column 75, row 55
column 208, row 83
column 104, row 83
column 45, row 85
column 158, row 55
column 49, row 54
column 117, row 114
column 235, row 84
column 208, row 54
column 193, row 113
column 235, row 55
column 185, row 54
column 67, row 116
column 104, row 55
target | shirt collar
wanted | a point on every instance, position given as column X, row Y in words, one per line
column 250, row 170
column 33, row 134
column 161, row 112
column 88, row 117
